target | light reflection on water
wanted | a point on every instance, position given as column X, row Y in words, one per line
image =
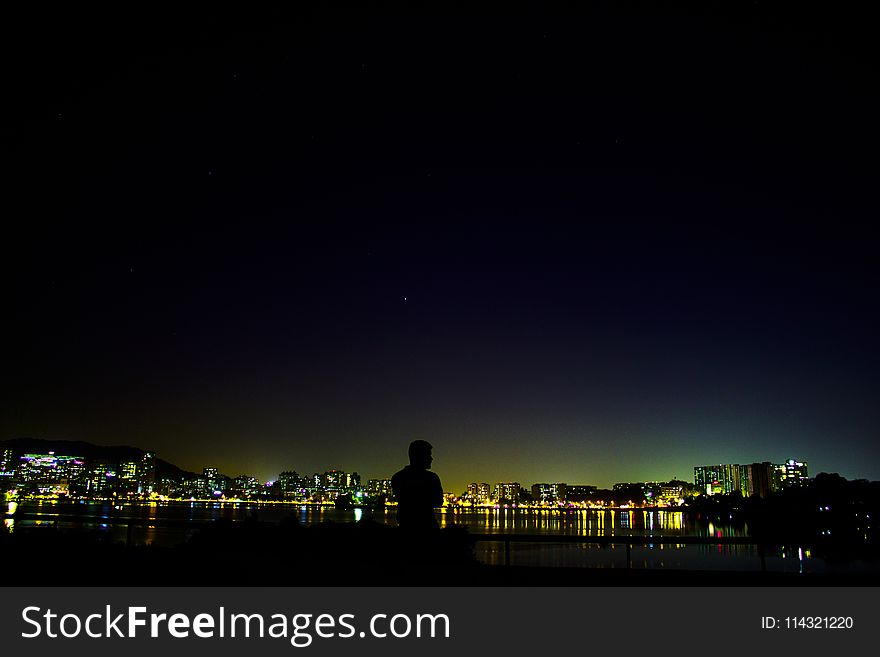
column 578, row 522
column 585, row 522
column 169, row 524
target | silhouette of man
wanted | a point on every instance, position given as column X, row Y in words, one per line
column 417, row 490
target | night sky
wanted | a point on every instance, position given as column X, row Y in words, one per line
column 586, row 246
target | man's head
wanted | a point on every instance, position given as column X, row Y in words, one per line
column 420, row 454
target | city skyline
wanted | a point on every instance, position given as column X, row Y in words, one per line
column 606, row 245
column 718, row 472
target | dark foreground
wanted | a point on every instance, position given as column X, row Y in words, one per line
column 361, row 554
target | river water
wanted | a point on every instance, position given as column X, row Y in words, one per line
column 171, row 523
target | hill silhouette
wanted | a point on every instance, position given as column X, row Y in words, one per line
column 90, row 451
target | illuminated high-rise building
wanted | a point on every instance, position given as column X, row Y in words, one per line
column 579, row 492
column 293, row 486
column 794, row 473
column 333, row 481
column 247, row 487
column 7, row 470
column 755, row 479
column 127, row 477
column 548, row 493
column 212, row 483
column 744, row 483
column 6, row 463
column 100, row 478
column 194, row 487
column 506, row 492
column 71, row 475
column 715, row 479
column 37, row 469
column 332, row 484
column 379, row 488
column 479, row 493
column 670, row 494
column 353, row 481
column 52, row 473
column 146, row 474
column 706, row 477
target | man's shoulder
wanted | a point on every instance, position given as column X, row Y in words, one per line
column 401, row 475
column 411, row 473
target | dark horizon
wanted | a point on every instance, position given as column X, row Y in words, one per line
column 593, row 246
